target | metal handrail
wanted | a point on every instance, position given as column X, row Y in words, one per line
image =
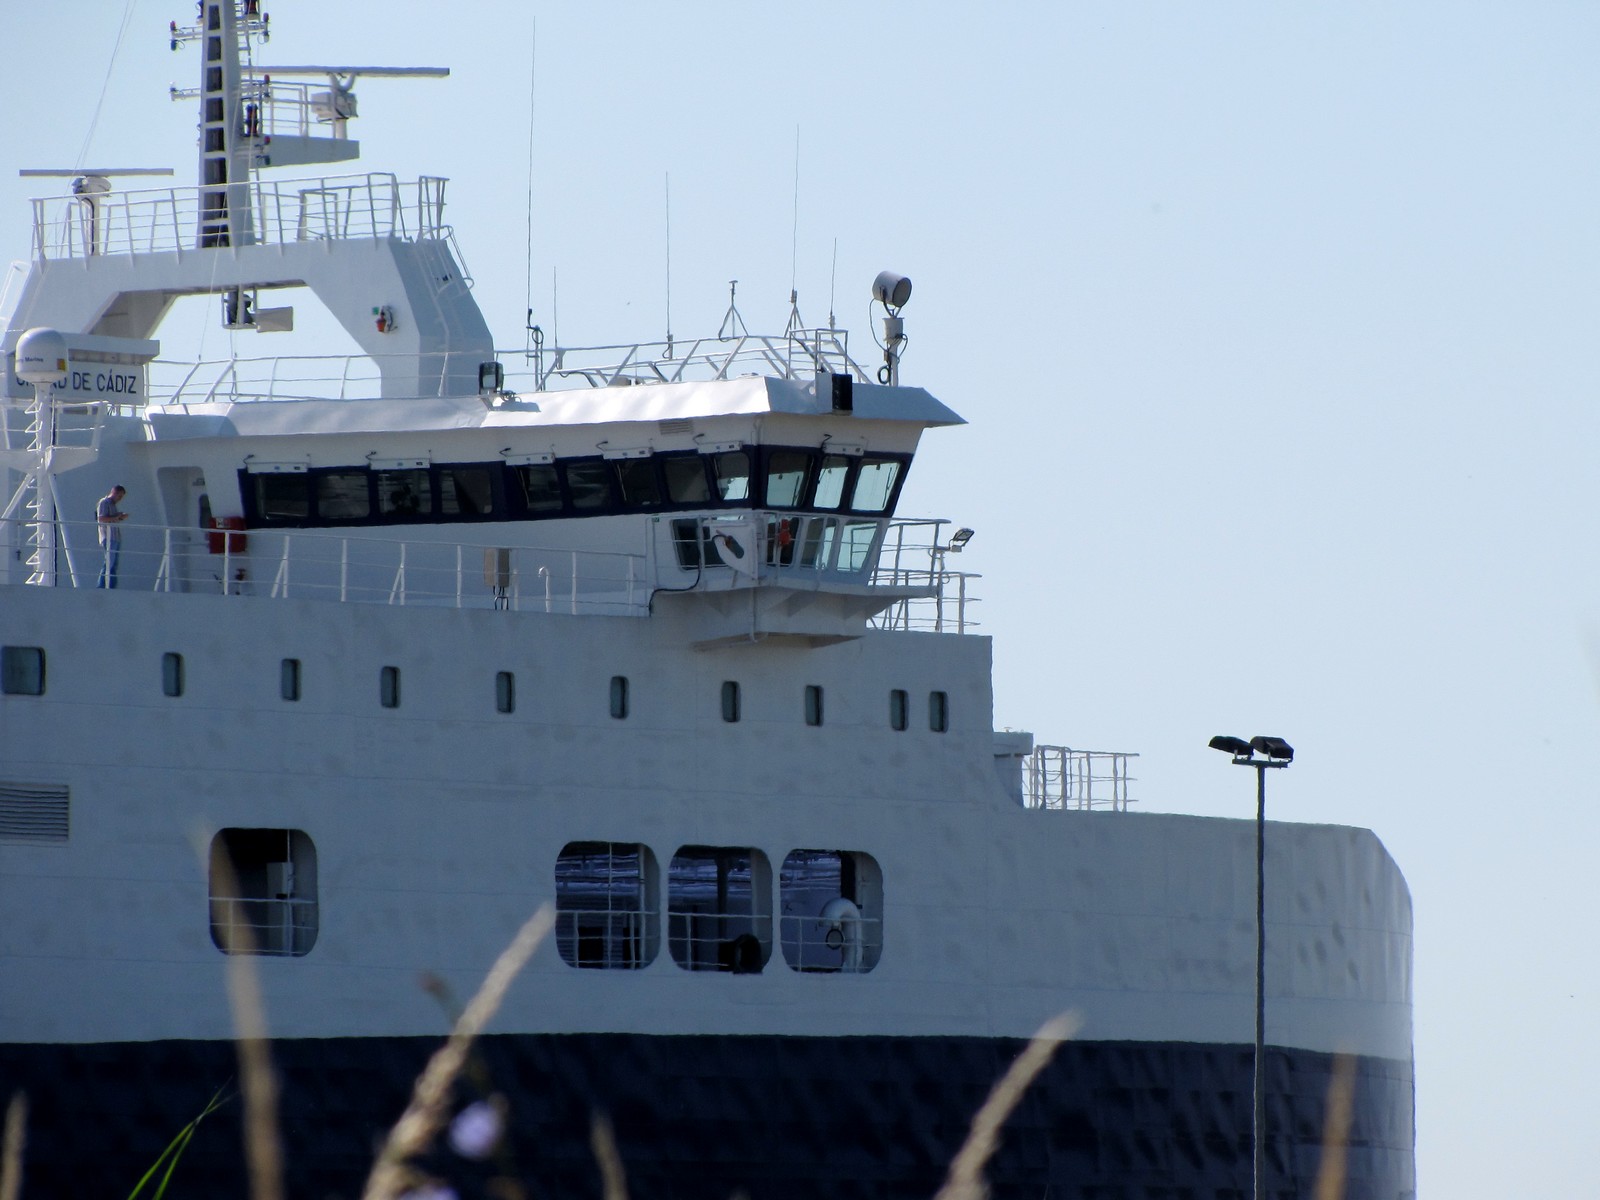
column 1061, row 778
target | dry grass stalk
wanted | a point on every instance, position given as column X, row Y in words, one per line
column 1336, row 1129
column 613, row 1183
column 430, row 1098
column 965, row 1181
column 11, row 1150
column 258, row 1083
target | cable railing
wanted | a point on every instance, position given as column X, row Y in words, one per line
column 282, row 212
column 1060, row 778
column 429, row 568
column 341, row 567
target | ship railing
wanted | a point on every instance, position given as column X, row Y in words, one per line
column 254, row 925
column 342, row 567
column 163, row 220
column 823, row 945
column 915, row 555
column 360, row 376
column 1060, row 778
column 609, row 938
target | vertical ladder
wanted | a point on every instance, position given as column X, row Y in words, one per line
column 225, row 148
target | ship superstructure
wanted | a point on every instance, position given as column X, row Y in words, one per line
column 402, row 646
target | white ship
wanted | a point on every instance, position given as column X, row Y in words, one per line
column 423, row 639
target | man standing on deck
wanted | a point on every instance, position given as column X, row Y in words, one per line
column 108, row 517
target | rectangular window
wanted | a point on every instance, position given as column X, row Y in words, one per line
column 719, row 909
column 619, row 696
column 686, row 479
column 897, row 709
column 730, row 701
column 263, row 892
column 171, row 674
column 22, row 670
column 786, row 477
column 289, row 679
column 831, row 480
column 607, row 906
column 466, row 492
column 855, row 549
column 939, row 712
column 733, row 476
column 831, row 903
column 813, row 704
column 505, row 692
column 283, row 497
column 640, row 487
column 389, row 687
column 342, row 496
column 404, row 493
column 541, row 489
column 589, row 483
column 874, row 485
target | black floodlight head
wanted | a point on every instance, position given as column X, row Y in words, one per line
column 1274, row 748
column 960, row 538
column 1237, row 747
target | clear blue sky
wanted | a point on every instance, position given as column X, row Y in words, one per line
column 1276, row 326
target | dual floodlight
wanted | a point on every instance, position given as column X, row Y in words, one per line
column 1275, row 750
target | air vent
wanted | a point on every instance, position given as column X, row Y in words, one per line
column 678, row 425
column 33, row 812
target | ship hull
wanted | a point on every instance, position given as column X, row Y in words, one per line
column 694, row 1116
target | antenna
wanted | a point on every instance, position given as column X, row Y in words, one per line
column 794, row 236
column 832, row 280
column 669, row 263
column 732, row 323
column 533, row 77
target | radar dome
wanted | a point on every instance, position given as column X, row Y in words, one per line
column 42, row 357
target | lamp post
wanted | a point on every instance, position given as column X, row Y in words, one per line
column 1275, row 752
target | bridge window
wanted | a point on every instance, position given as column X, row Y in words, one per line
column 686, row 479
column 263, row 892
column 718, row 909
column 939, row 712
column 608, row 907
column 856, row 549
column 897, row 710
column 733, row 476
column 289, row 679
column 282, row 498
column 730, row 701
column 589, row 483
column 466, row 491
column 541, row 488
column 786, row 477
column 22, row 670
column 619, row 696
column 813, row 704
column 505, row 692
column 831, row 911
column 875, row 483
column 831, row 480
column 640, row 487
column 342, row 495
column 404, row 493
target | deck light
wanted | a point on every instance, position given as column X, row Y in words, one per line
column 891, row 290
column 1278, row 753
column 960, row 538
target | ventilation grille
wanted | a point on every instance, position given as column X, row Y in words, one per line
column 675, row 425
column 33, row 812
